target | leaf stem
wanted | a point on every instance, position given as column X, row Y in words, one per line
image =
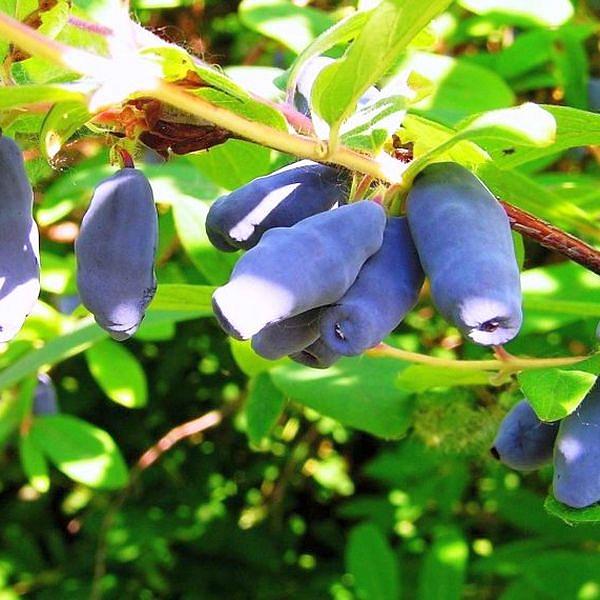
column 509, row 364
column 283, row 141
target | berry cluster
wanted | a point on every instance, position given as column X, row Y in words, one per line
column 525, row 443
column 323, row 280
column 115, row 264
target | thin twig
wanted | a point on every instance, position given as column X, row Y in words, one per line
column 552, row 237
column 507, row 363
column 146, row 460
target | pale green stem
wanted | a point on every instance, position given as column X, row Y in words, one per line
column 511, row 364
column 86, row 63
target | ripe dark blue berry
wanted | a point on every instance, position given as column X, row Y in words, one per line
column 318, row 355
column 115, row 252
column 280, row 199
column 44, row 397
column 386, row 288
column 577, row 454
column 287, row 336
column 19, row 242
column 523, row 441
column 463, row 238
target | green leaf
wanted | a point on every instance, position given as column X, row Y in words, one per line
column 81, row 451
column 157, row 332
column 522, row 191
column 387, row 32
column 530, row 50
column 359, row 392
column 34, row 464
column 84, row 334
column 550, row 13
column 580, row 189
column 54, row 19
column 119, row 374
column 460, row 88
column 248, row 107
column 17, row 96
column 556, row 393
column 340, row 33
column 263, row 407
column 572, row 516
column 574, row 128
column 58, row 274
column 427, row 135
column 184, row 297
column 61, row 122
column 509, row 184
column 372, row 563
column 37, row 70
column 369, row 128
column 559, row 574
column 527, row 124
column 571, row 66
column 233, row 164
column 557, row 295
column 73, row 188
column 291, row 25
column 179, row 179
column 443, row 571
column 190, row 218
column 248, row 361
column 419, row 378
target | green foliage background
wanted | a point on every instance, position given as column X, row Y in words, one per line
column 370, row 480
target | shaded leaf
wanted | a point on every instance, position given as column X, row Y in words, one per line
column 263, row 407
column 358, row 392
column 34, row 464
column 372, row 563
column 444, row 568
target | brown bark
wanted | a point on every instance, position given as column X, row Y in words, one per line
column 552, row 237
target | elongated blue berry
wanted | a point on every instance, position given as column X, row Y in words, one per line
column 523, row 441
column 287, row 336
column 115, row 252
column 463, row 238
column 594, row 94
column 280, row 199
column 44, row 397
column 295, row 269
column 318, row 355
column 19, row 242
column 386, row 288
column 577, row 454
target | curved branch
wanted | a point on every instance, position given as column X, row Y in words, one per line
column 552, row 237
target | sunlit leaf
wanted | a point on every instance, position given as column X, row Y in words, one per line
column 118, row 373
column 80, row 450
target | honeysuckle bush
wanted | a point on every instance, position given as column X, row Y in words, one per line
column 370, row 479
